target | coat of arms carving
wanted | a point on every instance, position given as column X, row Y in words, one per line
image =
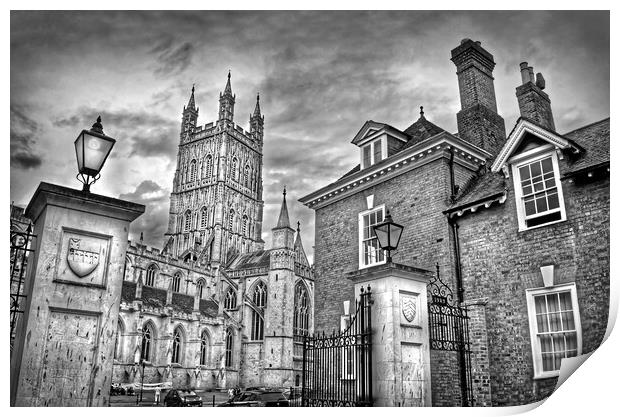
column 81, row 261
column 409, row 308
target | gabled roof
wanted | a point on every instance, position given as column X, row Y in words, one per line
column 521, row 129
column 370, row 128
column 258, row 259
column 594, row 139
column 485, row 187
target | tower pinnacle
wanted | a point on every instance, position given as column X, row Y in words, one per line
column 192, row 103
column 283, row 220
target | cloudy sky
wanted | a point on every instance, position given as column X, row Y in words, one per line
column 321, row 75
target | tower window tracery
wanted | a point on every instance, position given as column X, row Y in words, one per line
column 192, row 171
column 209, row 166
column 188, row 220
column 203, row 217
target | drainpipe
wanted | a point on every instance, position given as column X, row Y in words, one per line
column 457, row 259
column 452, row 185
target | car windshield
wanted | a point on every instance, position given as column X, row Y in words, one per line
column 245, row 396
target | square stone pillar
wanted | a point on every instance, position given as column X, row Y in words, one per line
column 401, row 369
column 64, row 345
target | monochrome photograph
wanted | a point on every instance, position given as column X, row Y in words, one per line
column 248, row 208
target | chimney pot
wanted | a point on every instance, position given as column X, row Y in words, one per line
column 464, row 40
column 530, row 71
column 525, row 75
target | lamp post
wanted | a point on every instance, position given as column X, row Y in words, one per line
column 92, row 148
column 141, row 383
column 388, row 234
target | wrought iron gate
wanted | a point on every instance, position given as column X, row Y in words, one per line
column 21, row 247
column 449, row 330
column 337, row 368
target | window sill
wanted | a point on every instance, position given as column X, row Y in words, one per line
column 546, row 376
column 525, row 229
column 371, row 265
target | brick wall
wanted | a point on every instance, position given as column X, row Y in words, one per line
column 500, row 263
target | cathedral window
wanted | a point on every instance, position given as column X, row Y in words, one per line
column 259, row 298
column 246, row 176
column 245, row 225
column 231, row 220
column 229, row 348
column 177, row 346
column 369, row 252
column 209, row 166
column 302, row 308
column 203, row 217
column 192, row 171
column 188, row 220
column 176, row 282
column 200, row 285
column 233, row 169
column 151, row 271
column 230, row 301
column 555, row 327
column 148, row 341
column 204, row 348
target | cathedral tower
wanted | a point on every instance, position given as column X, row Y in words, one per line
column 216, row 205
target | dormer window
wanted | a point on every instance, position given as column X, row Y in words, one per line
column 538, row 191
column 372, row 153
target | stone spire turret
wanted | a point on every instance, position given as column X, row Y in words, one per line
column 283, row 233
column 257, row 121
column 227, row 103
column 190, row 116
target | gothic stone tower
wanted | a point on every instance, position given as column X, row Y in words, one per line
column 216, row 204
column 278, row 369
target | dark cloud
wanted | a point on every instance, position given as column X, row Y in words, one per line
column 154, row 220
column 146, row 133
column 23, row 140
column 172, row 59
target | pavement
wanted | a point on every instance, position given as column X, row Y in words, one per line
column 209, row 398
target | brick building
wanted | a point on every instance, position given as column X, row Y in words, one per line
column 518, row 226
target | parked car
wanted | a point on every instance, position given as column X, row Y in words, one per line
column 257, row 398
column 182, row 398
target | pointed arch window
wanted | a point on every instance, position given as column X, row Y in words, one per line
column 230, row 301
column 259, row 298
column 246, row 176
column 229, row 347
column 233, row 169
column 148, row 343
column 204, row 348
column 200, row 285
column 192, row 171
column 187, row 222
column 120, row 341
column 176, row 282
column 245, row 225
column 209, row 166
column 203, row 217
column 177, row 346
column 151, row 271
column 231, row 220
column 301, row 310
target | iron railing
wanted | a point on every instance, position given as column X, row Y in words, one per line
column 337, row 368
column 449, row 331
column 21, row 247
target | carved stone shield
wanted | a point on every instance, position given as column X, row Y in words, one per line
column 409, row 309
column 82, row 262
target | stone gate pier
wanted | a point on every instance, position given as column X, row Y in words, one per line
column 401, row 372
column 64, row 345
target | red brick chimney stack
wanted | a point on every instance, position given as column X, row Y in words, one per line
column 534, row 103
column 478, row 121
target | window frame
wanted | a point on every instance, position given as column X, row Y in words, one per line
column 229, row 343
column 230, row 299
column 371, row 145
column 361, row 237
column 151, row 275
column 259, row 298
column 530, row 295
column 528, row 158
column 176, row 281
column 177, row 346
column 205, row 344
